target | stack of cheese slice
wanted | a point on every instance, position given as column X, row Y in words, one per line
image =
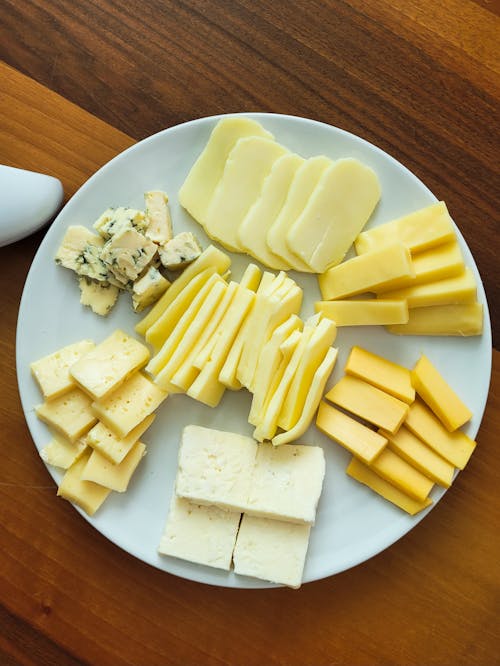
column 243, row 502
column 413, row 270
column 253, row 195
column 402, row 443
column 210, row 335
column 98, row 403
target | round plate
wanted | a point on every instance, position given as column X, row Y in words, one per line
column 353, row 523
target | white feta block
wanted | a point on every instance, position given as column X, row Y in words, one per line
column 215, row 467
column 180, row 251
column 273, row 550
column 201, row 534
column 287, row 482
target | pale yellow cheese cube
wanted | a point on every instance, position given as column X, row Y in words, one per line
column 455, row 447
column 365, row 475
column 104, row 368
column 211, row 257
column 52, row 372
column 364, row 312
column 112, row 447
column 382, row 373
column 113, row 476
column 87, row 495
column 457, row 289
column 361, row 441
column 60, row 452
column 70, row 414
column 420, row 230
column 438, row 395
column 368, row 272
column 337, row 210
column 130, row 404
column 463, row 319
column 368, row 402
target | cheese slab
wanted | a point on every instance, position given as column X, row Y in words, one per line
column 246, row 168
column 462, row 320
column 272, row 550
column 364, row 312
column 253, row 230
column 130, row 404
column 113, row 476
column 70, row 414
column 198, row 533
column 368, row 402
column 199, row 186
column 457, row 289
column 52, row 372
column 339, row 207
column 111, row 446
column 302, row 186
column 365, row 475
column 435, row 391
column 397, row 471
column 87, row 495
column 104, row 368
column 361, row 441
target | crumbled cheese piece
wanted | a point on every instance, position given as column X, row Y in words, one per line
column 181, row 250
column 159, row 222
column 115, row 221
column 99, row 296
column 127, row 254
column 148, row 288
column 73, row 244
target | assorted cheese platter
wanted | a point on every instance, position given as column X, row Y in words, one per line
column 256, row 191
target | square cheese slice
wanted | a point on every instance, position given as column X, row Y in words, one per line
column 60, row 452
column 272, row 550
column 112, row 447
column 52, row 372
column 287, row 482
column 201, row 534
column 115, row 477
column 70, row 414
column 215, row 467
column 108, row 365
column 87, row 495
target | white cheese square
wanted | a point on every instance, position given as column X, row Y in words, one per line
column 215, row 467
column 201, row 534
column 52, row 372
column 273, row 550
column 287, row 482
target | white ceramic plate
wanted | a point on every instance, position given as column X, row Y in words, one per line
column 353, row 524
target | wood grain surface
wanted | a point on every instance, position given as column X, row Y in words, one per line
column 81, row 82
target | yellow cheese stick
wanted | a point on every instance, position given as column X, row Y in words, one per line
column 361, row 441
column 464, row 319
column 457, row 289
column 438, row 395
column 368, row 402
column 455, row 447
column 382, row 373
column 401, row 474
column 365, row 475
column 370, row 312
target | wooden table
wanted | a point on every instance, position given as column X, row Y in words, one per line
column 82, row 81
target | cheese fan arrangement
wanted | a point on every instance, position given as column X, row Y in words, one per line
column 238, row 500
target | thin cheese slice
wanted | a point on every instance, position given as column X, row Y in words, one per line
column 337, row 210
column 363, row 442
column 205, row 352
column 368, row 402
column 86, row 494
column 360, row 472
column 303, row 184
column 52, row 372
column 457, row 289
column 112, row 447
column 455, row 447
column 382, row 373
column 246, row 168
column 70, row 414
column 253, row 230
column 198, row 188
column 464, row 319
column 251, row 277
column 60, row 452
column 364, row 312
column 115, row 477
column 421, row 230
column 435, row 391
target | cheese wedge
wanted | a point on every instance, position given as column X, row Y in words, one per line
column 200, row 184
column 401, row 474
column 382, row 373
column 113, row 476
column 366, row 312
column 252, row 232
column 86, row 494
column 70, row 414
column 368, row 272
column 457, row 289
column 312, row 400
column 421, row 230
column 368, row 402
column 361, row 441
column 422, row 457
column 211, row 257
column 455, row 447
column 52, row 372
column 464, row 319
column 365, row 475
column 335, row 213
column 246, row 168
column 438, row 395
column 112, row 447
column 302, row 186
